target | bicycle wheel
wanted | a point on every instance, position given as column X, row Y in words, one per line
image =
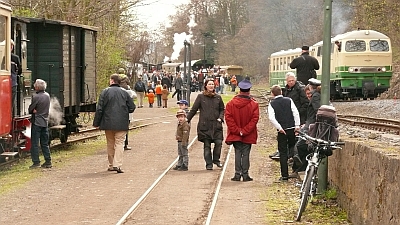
column 305, row 193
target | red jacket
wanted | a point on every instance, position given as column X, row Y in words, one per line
column 241, row 115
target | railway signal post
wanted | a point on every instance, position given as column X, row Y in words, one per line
column 325, row 83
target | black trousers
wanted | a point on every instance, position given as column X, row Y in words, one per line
column 126, row 138
column 285, row 142
column 213, row 157
column 177, row 92
column 242, row 158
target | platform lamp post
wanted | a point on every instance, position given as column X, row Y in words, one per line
column 148, row 52
column 325, row 90
column 187, row 71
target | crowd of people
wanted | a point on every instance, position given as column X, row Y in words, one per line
column 242, row 133
column 292, row 109
column 295, row 109
column 158, row 85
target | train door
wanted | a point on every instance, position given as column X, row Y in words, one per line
column 19, row 36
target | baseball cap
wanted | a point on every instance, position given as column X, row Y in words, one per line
column 183, row 101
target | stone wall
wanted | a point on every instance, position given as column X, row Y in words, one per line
column 368, row 182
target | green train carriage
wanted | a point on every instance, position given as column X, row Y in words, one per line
column 280, row 65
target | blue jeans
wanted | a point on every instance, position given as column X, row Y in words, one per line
column 183, row 159
column 40, row 134
column 221, row 88
column 216, row 152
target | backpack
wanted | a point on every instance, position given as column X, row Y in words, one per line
column 325, row 126
column 139, row 87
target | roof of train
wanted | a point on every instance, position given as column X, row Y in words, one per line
column 231, row 67
column 60, row 22
column 356, row 34
column 5, row 5
column 171, row 64
column 286, row 52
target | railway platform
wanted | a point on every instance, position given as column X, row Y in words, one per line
column 82, row 191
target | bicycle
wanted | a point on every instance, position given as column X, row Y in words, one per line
column 309, row 185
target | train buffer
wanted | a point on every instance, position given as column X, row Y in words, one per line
column 9, row 154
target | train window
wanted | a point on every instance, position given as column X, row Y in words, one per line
column 355, row 46
column 3, row 35
column 319, row 51
column 379, row 46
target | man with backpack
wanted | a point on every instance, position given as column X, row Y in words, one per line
column 140, row 89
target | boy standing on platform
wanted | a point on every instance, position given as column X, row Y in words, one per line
column 182, row 136
column 183, row 104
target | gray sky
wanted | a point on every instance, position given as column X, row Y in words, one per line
column 154, row 12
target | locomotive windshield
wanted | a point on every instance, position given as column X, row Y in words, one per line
column 379, row 46
column 355, row 46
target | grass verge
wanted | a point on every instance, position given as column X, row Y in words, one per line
column 282, row 199
column 17, row 175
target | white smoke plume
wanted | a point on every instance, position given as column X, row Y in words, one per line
column 166, row 58
column 56, row 112
column 180, row 38
column 178, row 44
column 191, row 24
column 341, row 17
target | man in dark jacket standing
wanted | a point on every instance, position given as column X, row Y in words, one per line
column 209, row 128
column 40, row 108
column 112, row 116
column 295, row 91
column 178, row 87
column 305, row 66
column 241, row 116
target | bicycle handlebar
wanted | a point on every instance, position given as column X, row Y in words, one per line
column 332, row 144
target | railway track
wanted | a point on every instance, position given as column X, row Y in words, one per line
column 380, row 124
column 263, row 97
column 162, row 182
column 84, row 135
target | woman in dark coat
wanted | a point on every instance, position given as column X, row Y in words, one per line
column 209, row 128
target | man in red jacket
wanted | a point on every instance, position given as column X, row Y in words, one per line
column 241, row 117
